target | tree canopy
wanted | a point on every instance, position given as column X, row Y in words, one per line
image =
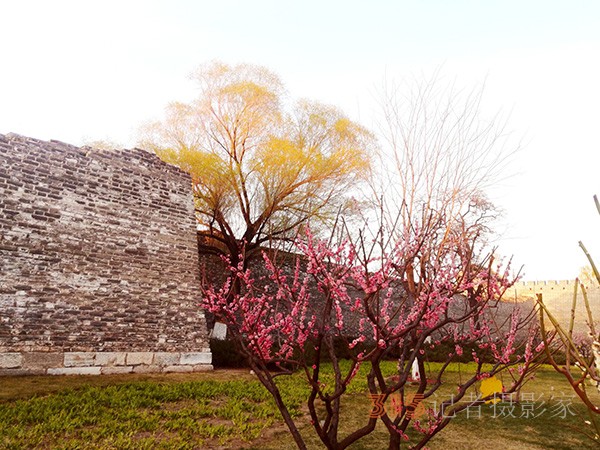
column 261, row 169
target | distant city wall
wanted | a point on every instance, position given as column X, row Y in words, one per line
column 98, row 262
column 558, row 297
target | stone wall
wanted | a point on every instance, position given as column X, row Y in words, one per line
column 558, row 297
column 98, row 262
column 214, row 270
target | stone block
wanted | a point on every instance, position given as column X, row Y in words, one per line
column 147, row 369
column 79, row 359
column 139, row 358
column 166, row 358
column 202, row 367
column 75, row 371
column 178, row 369
column 196, row 358
column 110, row 359
column 20, row 372
column 43, row 360
column 116, row 370
column 10, row 360
column 219, row 331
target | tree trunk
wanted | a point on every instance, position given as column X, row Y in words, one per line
column 269, row 384
column 394, row 441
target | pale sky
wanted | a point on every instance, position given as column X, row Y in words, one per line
column 78, row 71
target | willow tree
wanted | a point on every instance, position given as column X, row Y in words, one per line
column 261, row 169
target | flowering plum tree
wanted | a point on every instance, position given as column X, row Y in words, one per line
column 418, row 281
column 405, row 297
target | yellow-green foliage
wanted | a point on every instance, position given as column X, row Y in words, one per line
column 260, row 169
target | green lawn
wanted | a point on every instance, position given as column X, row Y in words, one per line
column 230, row 409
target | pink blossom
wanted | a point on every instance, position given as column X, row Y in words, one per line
column 540, row 347
column 280, row 313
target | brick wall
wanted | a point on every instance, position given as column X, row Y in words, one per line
column 98, row 262
column 558, row 298
column 214, row 270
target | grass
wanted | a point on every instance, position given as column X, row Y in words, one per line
column 230, row 409
column 168, row 412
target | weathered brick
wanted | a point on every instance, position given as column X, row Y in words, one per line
column 147, row 369
column 109, row 359
column 196, row 358
column 107, row 238
column 79, row 359
column 178, row 369
column 166, row 359
column 75, row 371
column 202, row 367
column 137, row 358
column 43, row 360
column 20, row 372
column 116, row 370
column 10, row 360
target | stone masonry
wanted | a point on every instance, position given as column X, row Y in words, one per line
column 98, row 262
column 558, row 298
